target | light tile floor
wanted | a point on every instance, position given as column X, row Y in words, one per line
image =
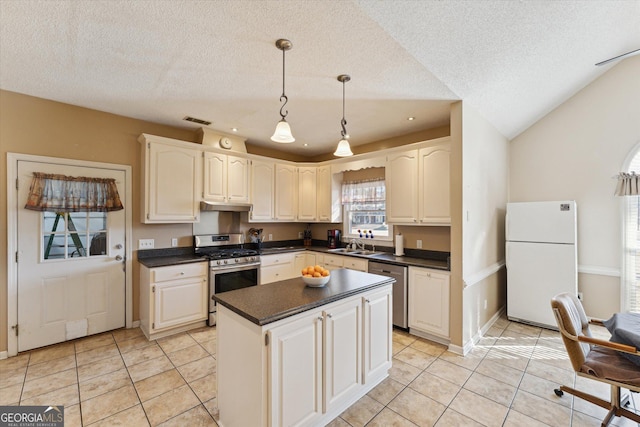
column 121, row 378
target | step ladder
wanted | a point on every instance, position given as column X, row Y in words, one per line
column 74, row 235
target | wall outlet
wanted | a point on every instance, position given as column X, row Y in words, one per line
column 270, row 236
column 146, row 243
column 300, row 234
column 174, row 242
column 419, row 244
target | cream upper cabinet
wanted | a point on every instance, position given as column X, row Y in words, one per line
column 307, row 200
column 329, row 205
column 418, row 186
column 401, row 181
column 429, row 301
column 226, row 178
column 286, row 192
column 262, row 190
column 434, row 188
column 171, row 180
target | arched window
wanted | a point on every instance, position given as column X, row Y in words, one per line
column 630, row 283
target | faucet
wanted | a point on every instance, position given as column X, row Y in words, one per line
column 356, row 244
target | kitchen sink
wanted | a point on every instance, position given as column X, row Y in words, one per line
column 359, row 252
column 345, row 251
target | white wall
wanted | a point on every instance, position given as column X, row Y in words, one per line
column 485, row 162
column 572, row 153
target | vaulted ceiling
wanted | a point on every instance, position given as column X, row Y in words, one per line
column 513, row 61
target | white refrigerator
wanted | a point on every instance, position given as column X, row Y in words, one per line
column 541, row 258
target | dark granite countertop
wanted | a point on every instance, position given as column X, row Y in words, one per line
column 152, row 258
column 385, row 257
column 172, row 256
column 269, row 303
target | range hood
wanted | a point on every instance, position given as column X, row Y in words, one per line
column 225, row 207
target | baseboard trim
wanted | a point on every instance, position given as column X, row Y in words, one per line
column 469, row 345
column 4, row 355
column 135, row 324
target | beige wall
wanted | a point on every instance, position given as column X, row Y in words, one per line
column 573, row 153
column 485, row 176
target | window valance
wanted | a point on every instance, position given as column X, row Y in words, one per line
column 364, row 195
column 61, row 193
column 628, row 184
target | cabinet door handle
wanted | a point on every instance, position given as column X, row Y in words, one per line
column 329, row 315
column 182, row 273
column 320, row 318
column 367, row 301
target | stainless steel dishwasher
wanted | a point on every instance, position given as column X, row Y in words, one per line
column 399, row 273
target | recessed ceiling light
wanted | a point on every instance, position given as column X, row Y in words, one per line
column 234, row 129
column 411, row 118
column 306, row 145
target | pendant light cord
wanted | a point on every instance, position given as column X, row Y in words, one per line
column 283, row 96
column 343, row 122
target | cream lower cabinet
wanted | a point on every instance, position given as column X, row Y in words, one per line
column 429, row 301
column 274, row 268
column 317, row 363
column 331, row 262
column 173, row 298
column 302, row 260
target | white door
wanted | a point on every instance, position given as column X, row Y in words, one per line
column 71, row 278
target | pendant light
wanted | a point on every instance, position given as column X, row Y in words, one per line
column 282, row 133
column 343, row 150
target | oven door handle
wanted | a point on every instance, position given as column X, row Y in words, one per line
column 230, row 268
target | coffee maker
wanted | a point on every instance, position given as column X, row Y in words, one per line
column 333, row 238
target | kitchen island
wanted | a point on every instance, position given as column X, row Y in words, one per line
column 289, row 354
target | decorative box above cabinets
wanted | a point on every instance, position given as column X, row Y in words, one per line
column 226, row 178
column 171, row 180
column 418, row 186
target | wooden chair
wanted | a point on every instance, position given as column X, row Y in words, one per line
column 595, row 359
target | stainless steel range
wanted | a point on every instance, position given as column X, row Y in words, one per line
column 231, row 266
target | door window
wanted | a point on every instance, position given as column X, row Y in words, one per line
column 73, row 235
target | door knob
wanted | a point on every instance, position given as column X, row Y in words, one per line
column 118, row 258
column 118, row 246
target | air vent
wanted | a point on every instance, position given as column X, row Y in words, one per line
column 199, row 121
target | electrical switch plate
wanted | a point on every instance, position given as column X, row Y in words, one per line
column 146, row 243
column 300, row 234
column 174, row 242
column 419, row 244
column 270, row 236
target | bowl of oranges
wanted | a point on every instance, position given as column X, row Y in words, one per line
column 315, row 276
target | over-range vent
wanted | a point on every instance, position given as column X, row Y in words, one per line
column 199, row 121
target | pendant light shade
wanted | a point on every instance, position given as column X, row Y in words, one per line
column 343, row 149
column 283, row 133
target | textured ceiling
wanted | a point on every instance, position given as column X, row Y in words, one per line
column 216, row 60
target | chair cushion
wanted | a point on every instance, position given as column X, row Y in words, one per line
column 625, row 329
column 608, row 364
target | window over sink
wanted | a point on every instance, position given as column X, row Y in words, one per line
column 364, row 204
